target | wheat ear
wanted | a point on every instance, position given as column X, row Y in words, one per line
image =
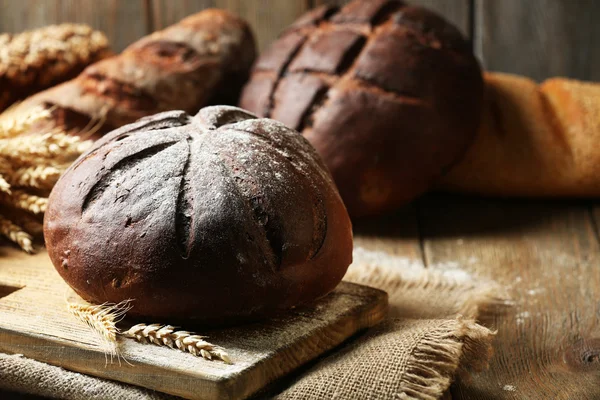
column 13, row 123
column 4, row 185
column 29, row 223
column 166, row 335
column 39, row 176
column 6, row 171
column 25, row 201
column 16, row 234
column 51, row 148
column 30, row 166
column 101, row 318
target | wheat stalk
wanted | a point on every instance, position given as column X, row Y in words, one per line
column 51, row 148
column 6, row 170
column 32, row 163
column 37, row 176
column 4, row 185
column 102, row 319
column 166, row 335
column 24, row 201
column 33, row 60
column 16, row 234
column 13, row 123
column 30, row 224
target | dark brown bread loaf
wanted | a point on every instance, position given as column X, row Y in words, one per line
column 35, row 60
column 388, row 94
column 216, row 218
column 204, row 59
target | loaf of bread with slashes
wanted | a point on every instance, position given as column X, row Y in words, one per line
column 389, row 94
column 215, row 218
column 203, row 59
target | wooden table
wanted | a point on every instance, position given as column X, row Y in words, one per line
column 547, row 253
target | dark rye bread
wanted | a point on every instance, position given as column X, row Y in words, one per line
column 204, row 59
column 216, row 218
column 389, row 95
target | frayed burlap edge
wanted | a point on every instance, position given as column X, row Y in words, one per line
column 437, row 358
column 401, row 359
column 441, row 345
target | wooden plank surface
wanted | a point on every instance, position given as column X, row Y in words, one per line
column 539, row 38
column 548, row 255
column 122, row 21
column 456, row 11
column 266, row 17
column 167, row 12
column 536, row 38
column 34, row 322
column 395, row 234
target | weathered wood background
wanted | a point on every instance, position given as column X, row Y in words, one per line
column 547, row 253
column 536, row 38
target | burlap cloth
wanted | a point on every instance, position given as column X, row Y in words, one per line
column 429, row 338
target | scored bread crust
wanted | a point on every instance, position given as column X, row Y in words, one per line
column 535, row 140
column 203, row 59
column 216, row 218
column 389, row 94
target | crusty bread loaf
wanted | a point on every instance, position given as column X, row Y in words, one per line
column 535, row 140
column 216, row 218
column 389, row 94
column 205, row 58
column 35, row 60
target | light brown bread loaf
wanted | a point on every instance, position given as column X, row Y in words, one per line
column 201, row 60
column 36, row 60
column 535, row 140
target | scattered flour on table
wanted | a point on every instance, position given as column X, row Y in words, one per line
column 411, row 268
column 522, row 316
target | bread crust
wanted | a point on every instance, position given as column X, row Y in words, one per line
column 389, row 95
column 535, row 140
column 205, row 58
column 216, row 218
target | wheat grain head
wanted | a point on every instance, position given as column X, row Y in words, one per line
column 167, row 335
column 24, row 201
column 14, row 122
column 16, row 234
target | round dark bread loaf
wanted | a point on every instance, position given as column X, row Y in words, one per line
column 215, row 218
column 389, row 95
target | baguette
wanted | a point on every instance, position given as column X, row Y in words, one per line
column 535, row 140
column 35, row 60
column 204, row 58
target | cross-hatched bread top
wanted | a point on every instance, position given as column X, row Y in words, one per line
column 388, row 94
column 216, row 217
column 203, row 59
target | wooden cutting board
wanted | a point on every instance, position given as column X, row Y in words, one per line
column 34, row 322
